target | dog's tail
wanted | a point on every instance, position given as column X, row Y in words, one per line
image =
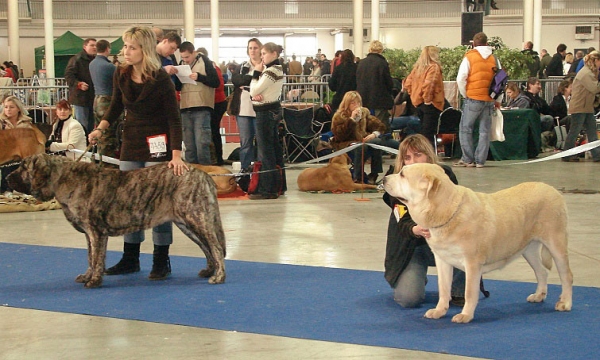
column 546, row 258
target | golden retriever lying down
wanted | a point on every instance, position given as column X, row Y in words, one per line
column 334, row 177
column 224, row 184
column 479, row 232
column 17, row 144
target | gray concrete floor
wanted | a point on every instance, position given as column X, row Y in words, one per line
column 330, row 230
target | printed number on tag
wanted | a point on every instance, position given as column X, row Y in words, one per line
column 157, row 144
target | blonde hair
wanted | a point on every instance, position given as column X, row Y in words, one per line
column 146, row 40
column 429, row 55
column 376, row 47
column 589, row 61
column 569, row 58
column 416, row 143
column 15, row 100
column 349, row 97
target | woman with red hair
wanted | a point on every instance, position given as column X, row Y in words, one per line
column 67, row 133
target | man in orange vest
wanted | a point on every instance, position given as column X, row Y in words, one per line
column 474, row 78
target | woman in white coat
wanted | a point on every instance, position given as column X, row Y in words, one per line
column 67, row 133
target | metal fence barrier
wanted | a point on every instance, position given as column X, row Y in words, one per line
column 38, row 95
column 41, row 95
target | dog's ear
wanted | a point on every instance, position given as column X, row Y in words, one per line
column 39, row 171
column 433, row 182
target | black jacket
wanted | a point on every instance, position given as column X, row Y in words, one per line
column 559, row 106
column 401, row 241
column 539, row 104
column 342, row 80
column 555, row 67
column 534, row 67
column 78, row 69
column 374, row 82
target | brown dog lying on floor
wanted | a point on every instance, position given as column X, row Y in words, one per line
column 17, row 144
column 225, row 184
column 334, row 177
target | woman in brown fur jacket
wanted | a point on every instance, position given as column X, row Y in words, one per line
column 353, row 123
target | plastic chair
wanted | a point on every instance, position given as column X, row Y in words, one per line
column 301, row 134
column 448, row 124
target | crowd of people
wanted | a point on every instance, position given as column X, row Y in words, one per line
column 159, row 113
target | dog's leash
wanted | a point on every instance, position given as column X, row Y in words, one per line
column 96, row 148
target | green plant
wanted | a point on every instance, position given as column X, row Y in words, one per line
column 512, row 60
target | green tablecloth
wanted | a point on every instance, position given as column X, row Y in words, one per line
column 522, row 133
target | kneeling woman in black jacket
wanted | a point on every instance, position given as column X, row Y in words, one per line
column 407, row 255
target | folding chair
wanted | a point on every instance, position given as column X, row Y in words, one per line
column 300, row 139
column 448, row 124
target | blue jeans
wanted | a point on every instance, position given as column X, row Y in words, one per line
column 161, row 234
column 475, row 111
column 410, row 122
column 270, row 152
column 247, row 129
column 587, row 122
column 197, row 136
column 85, row 116
column 409, row 291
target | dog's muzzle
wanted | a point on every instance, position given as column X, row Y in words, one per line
column 15, row 182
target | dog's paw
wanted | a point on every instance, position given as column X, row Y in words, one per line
column 205, row 273
column 82, row 278
column 536, row 298
column 435, row 313
column 462, row 318
column 93, row 283
column 562, row 305
column 217, row 279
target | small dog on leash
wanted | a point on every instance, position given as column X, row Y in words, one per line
column 108, row 202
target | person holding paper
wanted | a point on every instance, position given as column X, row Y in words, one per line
column 197, row 103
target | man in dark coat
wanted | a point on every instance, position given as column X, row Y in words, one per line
column 374, row 83
column 534, row 67
column 81, row 87
column 555, row 67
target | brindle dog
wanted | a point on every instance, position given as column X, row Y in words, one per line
column 107, row 202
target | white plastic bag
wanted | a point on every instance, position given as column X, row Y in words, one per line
column 497, row 128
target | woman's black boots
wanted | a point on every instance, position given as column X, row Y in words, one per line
column 129, row 263
column 161, row 266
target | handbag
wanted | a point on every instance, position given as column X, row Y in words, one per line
column 233, row 102
column 497, row 128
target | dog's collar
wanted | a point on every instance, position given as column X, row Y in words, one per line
column 451, row 217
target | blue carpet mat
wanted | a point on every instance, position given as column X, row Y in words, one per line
column 338, row 305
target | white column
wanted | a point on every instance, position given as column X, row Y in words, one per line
column 49, row 39
column 188, row 21
column 357, row 27
column 528, row 21
column 374, row 19
column 537, row 24
column 214, row 29
column 13, row 33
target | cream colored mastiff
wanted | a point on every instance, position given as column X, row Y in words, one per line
column 479, row 232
